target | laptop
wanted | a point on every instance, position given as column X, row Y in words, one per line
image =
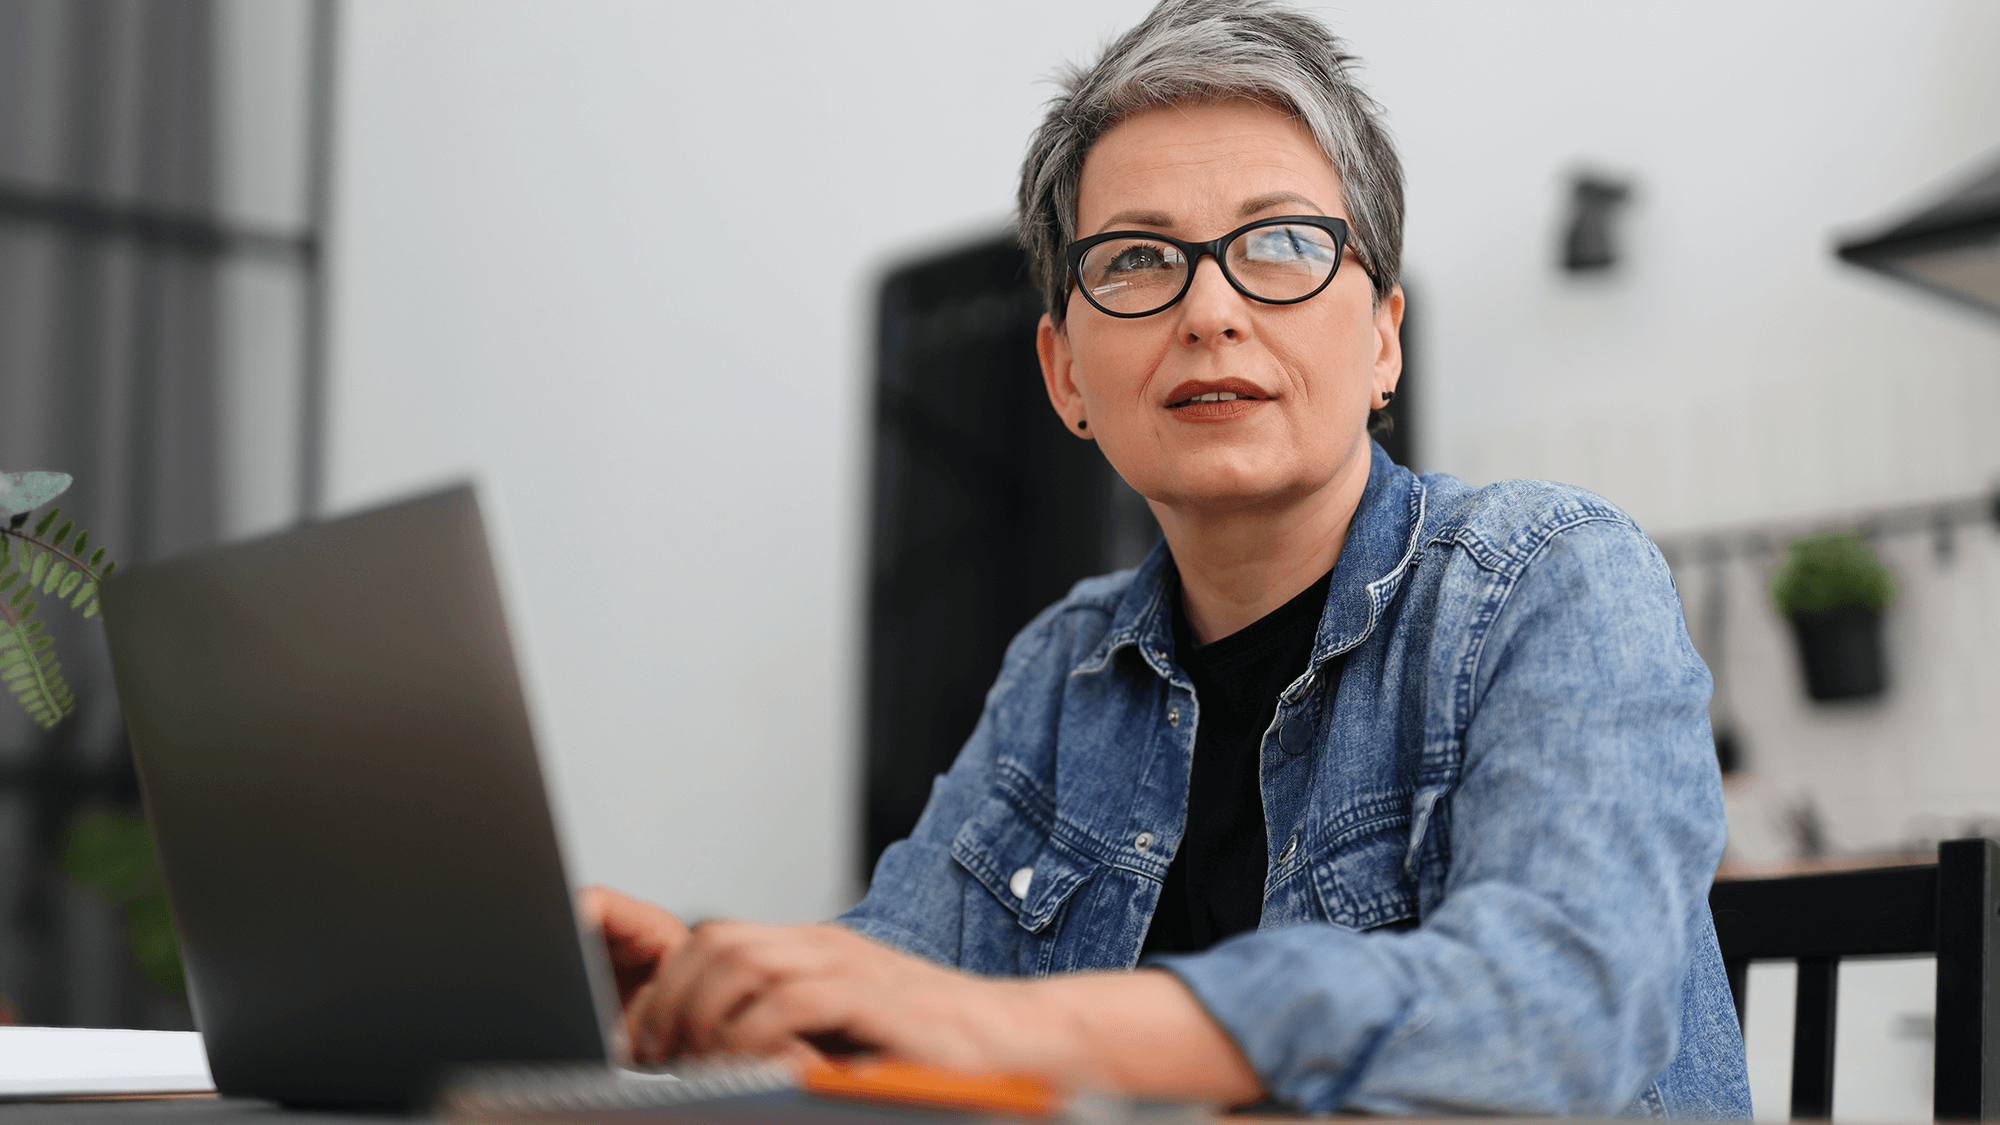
column 337, row 765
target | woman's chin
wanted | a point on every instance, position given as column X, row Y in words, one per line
column 1229, row 494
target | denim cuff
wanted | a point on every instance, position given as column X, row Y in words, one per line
column 1307, row 1005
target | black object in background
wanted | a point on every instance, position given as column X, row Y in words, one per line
column 1947, row 908
column 1841, row 652
column 985, row 510
column 1951, row 248
column 1589, row 244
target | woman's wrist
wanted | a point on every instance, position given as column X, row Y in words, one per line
column 1140, row 1033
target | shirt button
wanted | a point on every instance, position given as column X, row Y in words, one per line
column 1144, row 841
column 1173, row 716
column 1019, row 883
column 1291, row 845
column 1160, row 655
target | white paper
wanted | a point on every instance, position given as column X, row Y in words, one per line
column 55, row 1061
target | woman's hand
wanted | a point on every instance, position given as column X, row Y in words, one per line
column 637, row 935
column 741, row 988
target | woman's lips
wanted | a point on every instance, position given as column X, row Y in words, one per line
column 1212, row 404
column 1215, row 411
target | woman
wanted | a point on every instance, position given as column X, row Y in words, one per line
column 1400, row 793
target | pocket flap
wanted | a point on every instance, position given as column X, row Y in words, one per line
column 1362, row 881
column 1007, row 851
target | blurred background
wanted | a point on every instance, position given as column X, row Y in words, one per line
column 721, row 297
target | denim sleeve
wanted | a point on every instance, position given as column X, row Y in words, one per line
column 1583, row 833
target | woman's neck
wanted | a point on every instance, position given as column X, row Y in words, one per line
column 1237, row 566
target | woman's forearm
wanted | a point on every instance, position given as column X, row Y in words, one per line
column 1140, row 1033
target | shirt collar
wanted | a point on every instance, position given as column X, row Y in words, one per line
column 1381, row 542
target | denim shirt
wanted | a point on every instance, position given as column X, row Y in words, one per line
column 1489, row 858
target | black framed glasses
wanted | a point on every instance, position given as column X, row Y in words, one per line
column 1278, row 261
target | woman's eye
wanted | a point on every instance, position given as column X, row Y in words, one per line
column 1286, row 244
column 1133, row 259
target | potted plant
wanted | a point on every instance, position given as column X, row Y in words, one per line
column 35, row 564
column 109, row 852
column 1833, row 590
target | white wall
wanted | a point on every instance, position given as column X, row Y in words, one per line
column 262, row 52
column 1732, row 372
column 615, row 261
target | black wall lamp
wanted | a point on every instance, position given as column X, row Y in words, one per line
column 1595, row 200
column 1951, row 248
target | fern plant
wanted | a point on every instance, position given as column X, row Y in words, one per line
column 38, row 564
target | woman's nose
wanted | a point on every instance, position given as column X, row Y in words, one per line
column 1212, row 310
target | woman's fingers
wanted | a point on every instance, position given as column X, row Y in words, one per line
column 748, row 989
column 726, row 966
column 637, row 935
column 697, row 996
column 770, row 1021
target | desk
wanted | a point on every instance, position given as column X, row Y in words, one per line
column 247, row 1111
column 176, row 1111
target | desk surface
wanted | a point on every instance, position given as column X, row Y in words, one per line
column 252, row 1111
column 176, row 1111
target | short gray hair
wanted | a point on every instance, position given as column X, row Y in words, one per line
column 1188, row 51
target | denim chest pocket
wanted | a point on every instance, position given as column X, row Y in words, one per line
column 1020, row 864
column 1362, row 879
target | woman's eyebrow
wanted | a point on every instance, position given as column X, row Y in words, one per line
column 1250, row 207
column 1269, row 200
column 1141, row 218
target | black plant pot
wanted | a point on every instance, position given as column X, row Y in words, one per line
column 1842, row 652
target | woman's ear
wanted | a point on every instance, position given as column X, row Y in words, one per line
column 1389, row 340
column 1052, row 347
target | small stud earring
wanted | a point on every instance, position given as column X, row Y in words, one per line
column 1081, row 424
column 1387, row 397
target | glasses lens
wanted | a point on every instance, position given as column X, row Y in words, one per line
column 1283, row 262
column 1133, row 275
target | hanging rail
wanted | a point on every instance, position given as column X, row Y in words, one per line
column 1939, row 518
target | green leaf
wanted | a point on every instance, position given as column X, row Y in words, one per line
column 82, row 544
column 109, row 566
column 1831, row 570
column 20, row 596
column 10, row 579
column 111, row 853
column 94, row 559
column 40, row 568
column 30, row 628
column 42, row 525
column 38, row 684
column 92, row 611
column 55, row 577
column 87, row 589
column 69, row 583
column 150, row 931
column 62, row 532
column 19, row 519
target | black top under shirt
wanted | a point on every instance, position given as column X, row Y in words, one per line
column 1215, row 885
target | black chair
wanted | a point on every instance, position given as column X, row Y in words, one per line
column 1947, row 908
